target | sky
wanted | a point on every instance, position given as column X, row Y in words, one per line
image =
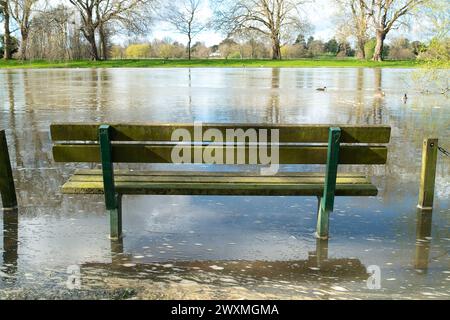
column 319, row 13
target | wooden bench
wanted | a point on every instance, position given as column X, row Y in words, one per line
column 152, row 143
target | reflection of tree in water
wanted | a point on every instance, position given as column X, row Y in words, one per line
column 190, row 93
column 362, row 113
column 359, row 97
column 100, row 90
column 273, row 106
column 12, row 117
column 33, row 141
column 378, row 100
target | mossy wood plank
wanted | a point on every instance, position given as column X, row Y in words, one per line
column 220, row 189
column 163, row 132
column 212, row 179
column 132, row 153
column 177, row 173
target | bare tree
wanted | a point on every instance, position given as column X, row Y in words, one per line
column 105, row 30
column 275, row 19
column 359, row 24
column 53, row 34
column 113, row 15
column 86, row 9
column 21, row 11
column 97, row 14
column 252, row 44
column 4, row 8
column 387, row 15
column 184, row 17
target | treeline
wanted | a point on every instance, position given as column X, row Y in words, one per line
column 86, row 29
column 398, row 49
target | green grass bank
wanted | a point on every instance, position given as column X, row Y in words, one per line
column 209, row 63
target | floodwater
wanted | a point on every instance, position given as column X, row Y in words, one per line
column 223, row 247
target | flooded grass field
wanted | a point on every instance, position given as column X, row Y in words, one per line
column 181, row 247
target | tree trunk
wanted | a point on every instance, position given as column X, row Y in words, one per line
column 24, row 43
column 93, row 46
column 189, row 47
column 7, row 37
column 276, row 48
column 103, row 43
column 378, row 53
column 361, row 54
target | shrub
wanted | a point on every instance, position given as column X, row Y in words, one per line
column 433, row 75
column 235, row 55
column 166, row 50
column 117, row 52
column 401, row 49
column 14, row 45
column 397, row 53
column 136, row 51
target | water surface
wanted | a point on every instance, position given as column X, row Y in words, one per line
column 223, row 247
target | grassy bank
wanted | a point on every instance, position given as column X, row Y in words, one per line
column 205, row 63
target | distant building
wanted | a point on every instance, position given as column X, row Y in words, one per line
column 216, row 54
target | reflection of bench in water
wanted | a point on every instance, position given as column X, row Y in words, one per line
column 10, row 242
column 318, row 264
column 423, row 240
column 155, row 143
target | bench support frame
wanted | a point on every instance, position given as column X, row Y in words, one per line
column 326, row 203
column 113, row 201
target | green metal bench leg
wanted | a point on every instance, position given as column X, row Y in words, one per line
column 115, row 219
column 113, row 201
column 327, row 201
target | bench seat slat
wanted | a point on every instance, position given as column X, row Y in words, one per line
column 125, row 172
column 216, row 179
column 131, row 153
column 163, row 132
column 231, row 184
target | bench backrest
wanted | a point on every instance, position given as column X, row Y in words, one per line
column 152, row 143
